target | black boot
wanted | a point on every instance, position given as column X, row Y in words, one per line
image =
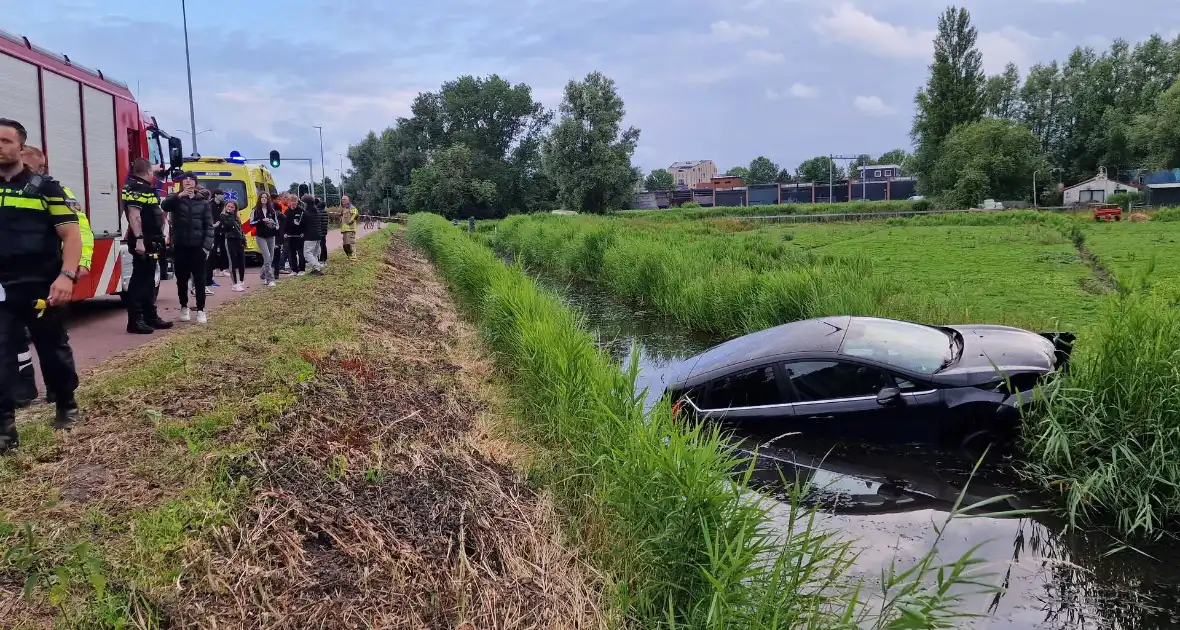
column 137, row 326
column 8, row 436
column 158, row 324
column 67, row 414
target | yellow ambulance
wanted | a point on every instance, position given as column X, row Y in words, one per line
column 243, row 183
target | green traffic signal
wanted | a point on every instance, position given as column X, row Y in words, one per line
column 274, row 159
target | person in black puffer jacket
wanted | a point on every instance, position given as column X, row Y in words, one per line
column 192, row 240
column 322, row 207
column 315, row 228
column 294, row 228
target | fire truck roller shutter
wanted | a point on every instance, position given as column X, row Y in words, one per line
column 20, row 99
column 101, row 167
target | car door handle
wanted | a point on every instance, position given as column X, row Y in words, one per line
column 821, row 417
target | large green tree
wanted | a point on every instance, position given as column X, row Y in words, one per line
column 761, row 171
column 988, row 159
column 739, row 171
column 659, row 179
column 500, row 124
column 818, row 169
column 953, row 93
column 1156, row 136
column 588, row 154
column 449, row 185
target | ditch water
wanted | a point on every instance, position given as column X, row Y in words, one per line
column 889, row 500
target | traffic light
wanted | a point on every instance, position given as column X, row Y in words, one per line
column 274, row 159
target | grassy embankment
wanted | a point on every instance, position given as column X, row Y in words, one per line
column 321, row 454
column 683, row 543
column 1110, row 438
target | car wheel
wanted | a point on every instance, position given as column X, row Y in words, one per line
column 975, row 443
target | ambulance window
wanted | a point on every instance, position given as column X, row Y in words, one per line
column 233, row 189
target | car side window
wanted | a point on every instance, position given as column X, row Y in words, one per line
column 829, row 380
column 748, row 388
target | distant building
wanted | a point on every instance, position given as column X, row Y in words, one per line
column 879, row 172
column 723, row 181
column 1163, row 187
column 690, row 173
column 1097, row 189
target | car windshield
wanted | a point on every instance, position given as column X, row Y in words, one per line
column 913, row 347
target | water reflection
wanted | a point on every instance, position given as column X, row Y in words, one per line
column 888, row 500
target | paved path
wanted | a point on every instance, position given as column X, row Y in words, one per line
column 98, row 327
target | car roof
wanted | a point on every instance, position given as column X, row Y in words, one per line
column 824, row 334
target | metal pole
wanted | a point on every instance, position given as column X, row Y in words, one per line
column 1035, row 188
column 831, row 166
column 323, row 170
column 341, row 185
column 192, row 112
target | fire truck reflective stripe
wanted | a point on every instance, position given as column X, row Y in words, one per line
column 108, row 266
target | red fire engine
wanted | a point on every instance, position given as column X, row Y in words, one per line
column 90, row 128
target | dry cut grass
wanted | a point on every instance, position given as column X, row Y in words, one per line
column 325, row 456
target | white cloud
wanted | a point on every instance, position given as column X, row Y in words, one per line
column 800, row 90
column 772, row 94
column 847, row 24
column 765, row 56
column 873, row 106
column 726, row 31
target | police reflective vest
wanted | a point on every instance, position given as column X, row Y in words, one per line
column 30, row 249
column 83, row 227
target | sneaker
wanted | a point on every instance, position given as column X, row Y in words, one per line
column 272, row 283
column 301, row 273
column 239, row 288
column 213, row 284
column 201, row 318
column 317, row 272
column 192, row 289
column 184, row 314
column 208, row 291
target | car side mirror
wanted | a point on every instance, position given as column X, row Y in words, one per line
column 889, row 396
column 175, row 153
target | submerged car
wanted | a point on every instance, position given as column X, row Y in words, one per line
column 872, row 378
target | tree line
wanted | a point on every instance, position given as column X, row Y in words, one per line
column 979, row 136
column 484, row 147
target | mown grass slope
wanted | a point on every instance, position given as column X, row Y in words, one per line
column 320, row 455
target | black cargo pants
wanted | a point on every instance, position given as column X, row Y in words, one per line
column 48, row 334
column 141, row 289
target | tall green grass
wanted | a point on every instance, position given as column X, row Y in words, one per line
column 732, row 285
column 685, row 544
column 1109, row 437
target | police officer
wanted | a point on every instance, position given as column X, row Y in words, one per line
column 35, row 160
column 145, row 241
column 40, row 249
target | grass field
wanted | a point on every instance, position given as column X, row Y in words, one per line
column 1023, row 268
column 853, row 207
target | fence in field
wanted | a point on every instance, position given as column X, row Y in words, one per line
column 873, row 216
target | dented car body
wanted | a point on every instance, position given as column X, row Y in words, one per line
column 873, row 378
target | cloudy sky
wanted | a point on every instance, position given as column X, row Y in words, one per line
column 726, row 81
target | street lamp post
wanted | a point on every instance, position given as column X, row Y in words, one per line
column 341, row 185
column 192, row 111
column 323, row 170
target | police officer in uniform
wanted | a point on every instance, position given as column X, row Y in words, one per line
column 145, row 241
column 40, row 249
column 35, row 160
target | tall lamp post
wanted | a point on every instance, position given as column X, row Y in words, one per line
column 192, row 111
column 341, row 186
column 323, row 171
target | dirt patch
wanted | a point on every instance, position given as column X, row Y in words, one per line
column 379, row 505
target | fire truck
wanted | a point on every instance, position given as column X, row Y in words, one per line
column 90, row 128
